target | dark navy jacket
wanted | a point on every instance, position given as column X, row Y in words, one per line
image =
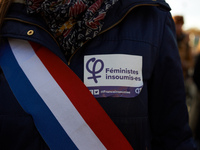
column 156, row 119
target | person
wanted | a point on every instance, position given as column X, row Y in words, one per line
column 183, row 46
column 125, row 53
column 187, row 60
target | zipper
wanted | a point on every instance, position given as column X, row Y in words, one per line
column 69, row 61
column 15, row 19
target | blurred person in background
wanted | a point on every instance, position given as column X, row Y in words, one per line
column 187, row 59
column 184, row 48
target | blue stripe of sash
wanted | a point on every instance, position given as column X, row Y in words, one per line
column 49, row 128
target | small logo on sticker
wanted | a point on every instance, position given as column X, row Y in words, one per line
column 137, row 90
column 95, row 92
column 92, row 92
column 95, row 70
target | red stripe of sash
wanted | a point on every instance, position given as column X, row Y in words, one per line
column 83, row 100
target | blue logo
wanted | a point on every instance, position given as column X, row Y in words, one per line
column 93, row 70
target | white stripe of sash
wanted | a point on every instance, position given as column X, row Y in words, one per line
column 57, row 101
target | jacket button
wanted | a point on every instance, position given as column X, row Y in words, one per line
column 30, row 32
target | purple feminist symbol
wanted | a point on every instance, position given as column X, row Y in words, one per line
column 94, row 71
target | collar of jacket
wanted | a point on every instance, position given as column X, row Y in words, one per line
column 18, row 14
column 116, row 14
column 123, row 7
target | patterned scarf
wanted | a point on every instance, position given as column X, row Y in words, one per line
column 72, row 22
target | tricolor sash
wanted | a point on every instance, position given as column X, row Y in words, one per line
column 64, row 111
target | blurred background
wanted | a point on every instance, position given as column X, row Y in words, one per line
column 186, row 15
column 189, row 9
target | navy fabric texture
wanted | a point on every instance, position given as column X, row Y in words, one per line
column 156, row 119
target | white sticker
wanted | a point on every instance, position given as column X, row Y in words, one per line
column 116, row 75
